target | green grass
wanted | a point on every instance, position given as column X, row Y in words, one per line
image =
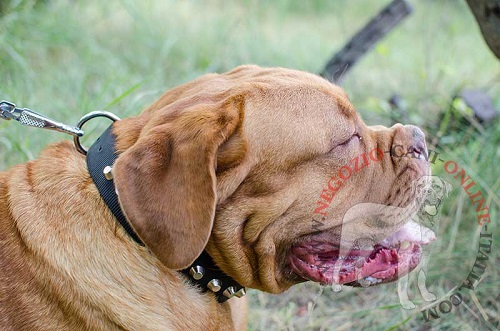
column 65, row 58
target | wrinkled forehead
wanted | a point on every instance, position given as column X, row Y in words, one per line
column 292, row 88
column 290, row 113
column 301, row 116
column 284, row 92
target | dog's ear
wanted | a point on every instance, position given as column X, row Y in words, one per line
column 166, row 181
column 447, row 187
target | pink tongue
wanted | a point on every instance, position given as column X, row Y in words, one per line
column 380, row 266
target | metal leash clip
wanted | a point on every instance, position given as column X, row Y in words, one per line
column 25, row 116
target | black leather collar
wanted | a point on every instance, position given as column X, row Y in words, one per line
column 203, row 272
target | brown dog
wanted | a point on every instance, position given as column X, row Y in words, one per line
column 230, row 163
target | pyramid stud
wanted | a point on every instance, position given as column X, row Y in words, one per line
column 214, row 285
column 229, row 292
column 241, row 293
column 197, row 272
column 108, row 172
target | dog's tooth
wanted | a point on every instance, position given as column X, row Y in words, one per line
column 405, row 244
column 364, row 282
column 372, row 280
column 336, row 287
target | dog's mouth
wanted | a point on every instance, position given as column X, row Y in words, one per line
column 386, row 261
column 431, row 206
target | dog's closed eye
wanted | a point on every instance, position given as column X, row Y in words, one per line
column 354, row 138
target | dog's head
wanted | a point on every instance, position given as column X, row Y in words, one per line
column 430, row 190
column 241, row 163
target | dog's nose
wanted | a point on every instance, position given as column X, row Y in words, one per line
column 408, row 140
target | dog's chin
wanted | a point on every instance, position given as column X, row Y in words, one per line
column 325, row 262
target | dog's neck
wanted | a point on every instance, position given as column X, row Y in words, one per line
column 203, row 272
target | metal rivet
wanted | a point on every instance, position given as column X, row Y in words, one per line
column 197, row 272
column 214, row 285
column 241, row 293
column 108, row 172
column 229, row 292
